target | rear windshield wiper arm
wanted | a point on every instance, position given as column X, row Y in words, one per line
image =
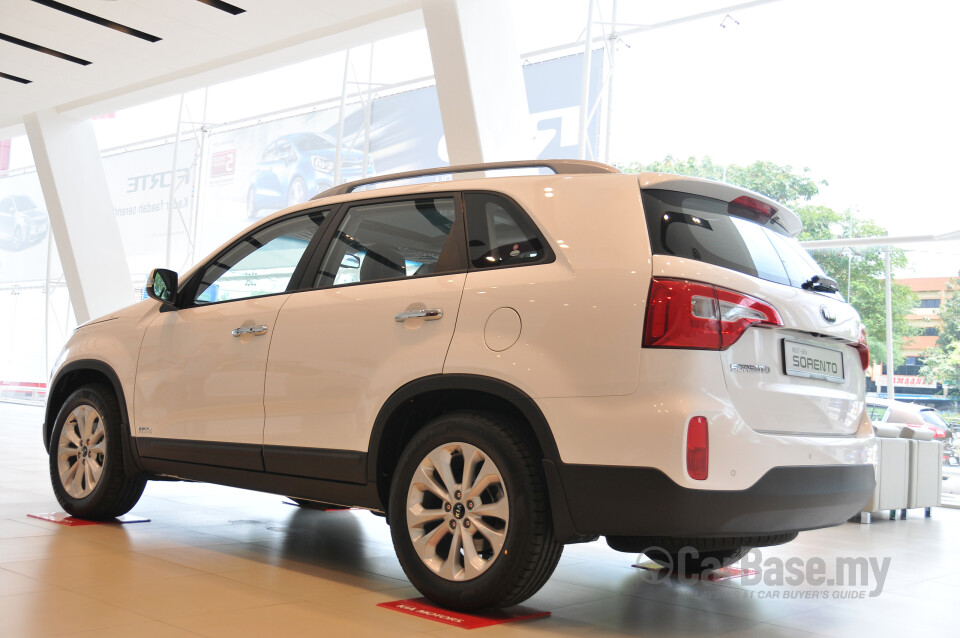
column 821, row 283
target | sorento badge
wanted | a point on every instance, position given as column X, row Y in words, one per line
column 749, row 367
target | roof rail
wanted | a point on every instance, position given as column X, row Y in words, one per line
column 558, row 166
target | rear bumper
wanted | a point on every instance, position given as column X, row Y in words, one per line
column 639, row 501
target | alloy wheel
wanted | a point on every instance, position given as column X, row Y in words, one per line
column 81, row 451
column 297, row 193
column 457, row 511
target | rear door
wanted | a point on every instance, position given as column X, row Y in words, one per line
column 388, row 292
column 801, row 377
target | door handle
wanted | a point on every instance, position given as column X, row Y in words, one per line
column 429, row 314
column 250, row 330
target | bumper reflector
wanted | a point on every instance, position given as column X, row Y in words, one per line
column 698, row 447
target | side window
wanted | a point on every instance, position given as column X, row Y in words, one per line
column 876, row 412
column 269, row 153
column 500, row 234
column 261, row 264
column 391, row 240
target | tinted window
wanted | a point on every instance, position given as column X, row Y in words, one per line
column 23, row 202
column 389, row 240
column 929, row 303
column 701, row 228
column 933, row 417
column 499, row 233
column 313, row 143
column 876, row 412
column 261, row 264
column 270, row 153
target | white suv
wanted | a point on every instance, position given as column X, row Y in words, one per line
column 501, row 365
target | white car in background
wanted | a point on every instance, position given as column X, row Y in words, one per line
column 918, row 417
column 22, row 222
column 500, row 365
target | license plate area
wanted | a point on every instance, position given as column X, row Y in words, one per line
column 802, row 359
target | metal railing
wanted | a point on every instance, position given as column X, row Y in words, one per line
column 558, row 166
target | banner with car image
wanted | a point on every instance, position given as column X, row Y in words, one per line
column 254, row 170
column 141, row 183
column 24, row 229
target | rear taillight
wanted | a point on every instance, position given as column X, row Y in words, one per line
column 689, row 314
column 698, row 448
column 863, row 349
column 938, row 433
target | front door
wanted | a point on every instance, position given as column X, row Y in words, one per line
column 199, row 388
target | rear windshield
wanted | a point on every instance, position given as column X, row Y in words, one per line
column 701, row 228
column 933, row 417
column 23, row 202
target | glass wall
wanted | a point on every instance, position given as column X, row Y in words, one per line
column 34, row 302
column 187, row 172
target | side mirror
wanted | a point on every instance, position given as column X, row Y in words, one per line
column 162, row 285
column 350, row 261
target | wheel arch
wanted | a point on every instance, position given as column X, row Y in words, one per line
column 413, row 405
column 427, row 397
column 79, row 373
column 297, row 177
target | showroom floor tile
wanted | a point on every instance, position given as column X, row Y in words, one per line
column 215, row 561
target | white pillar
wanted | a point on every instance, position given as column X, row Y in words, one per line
column 889, row 321
column 81, row 213
column 476, row 62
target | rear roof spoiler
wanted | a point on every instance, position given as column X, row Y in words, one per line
column 785, row 217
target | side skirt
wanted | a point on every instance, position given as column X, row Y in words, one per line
column 332, row 465
column 336, row 492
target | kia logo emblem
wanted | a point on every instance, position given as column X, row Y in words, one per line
column 827, row 314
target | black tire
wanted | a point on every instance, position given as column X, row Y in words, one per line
column 252, row 203
column 297, row 192
column 529, row 551
column 113, row 493
column 686, row 563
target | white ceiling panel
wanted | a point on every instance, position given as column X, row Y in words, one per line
column 199, row 45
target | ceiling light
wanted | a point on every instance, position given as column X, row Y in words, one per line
column 7, row 76
column 89, row 17
column 224, row 6
column 42, row 49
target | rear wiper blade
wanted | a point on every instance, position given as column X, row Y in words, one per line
column 821, row 283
